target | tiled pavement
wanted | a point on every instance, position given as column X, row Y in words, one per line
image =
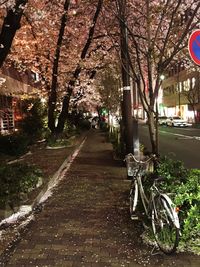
column 86, row 222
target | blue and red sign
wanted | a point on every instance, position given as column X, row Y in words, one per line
column 194, row 46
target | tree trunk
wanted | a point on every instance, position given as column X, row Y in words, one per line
column 53, row 91
column 10, row 25
column 65, row 105
column 195, row 117
column 125, row 70
column 69, row 90
column 152, row 132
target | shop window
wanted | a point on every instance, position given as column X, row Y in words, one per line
column 7, row 120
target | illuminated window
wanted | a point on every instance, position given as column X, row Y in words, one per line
column 35, row 76
column 180, row 87
column 193, row 83
column 187, row 85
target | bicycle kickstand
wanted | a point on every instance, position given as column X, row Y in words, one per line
column 153, row 251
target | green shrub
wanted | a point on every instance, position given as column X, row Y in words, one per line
column 61, row 142
column 173, row 170
column 184, row 184
column 70, row 129
column 33, row 123
column 14, row 145
column 66, row 138
column 16, row 180
column 115, row 140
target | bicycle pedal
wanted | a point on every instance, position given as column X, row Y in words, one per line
column 134, row 217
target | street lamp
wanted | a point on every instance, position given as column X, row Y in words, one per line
column 162, row 77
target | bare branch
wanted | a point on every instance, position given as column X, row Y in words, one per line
column 3, row 2
column 187, row 29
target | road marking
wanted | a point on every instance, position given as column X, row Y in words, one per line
column 182, row 135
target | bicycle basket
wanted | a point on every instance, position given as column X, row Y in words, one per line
column 131, row 165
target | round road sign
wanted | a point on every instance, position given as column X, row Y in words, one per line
column 194, row 46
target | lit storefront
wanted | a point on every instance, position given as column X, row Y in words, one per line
column 181, row 95
column 12, row 93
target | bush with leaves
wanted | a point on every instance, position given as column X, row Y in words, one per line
column 115, row 140
column 64, row 139
column 184, row 185
column 33, row 123
column 14, row 145
column 16, row 180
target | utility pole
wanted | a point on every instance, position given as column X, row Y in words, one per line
column 127, row 118
column 179, row 89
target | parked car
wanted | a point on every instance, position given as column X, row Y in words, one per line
column 162, row 120
column 177, row 121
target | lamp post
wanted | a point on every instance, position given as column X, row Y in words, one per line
column 160, row 95
column 179, row 92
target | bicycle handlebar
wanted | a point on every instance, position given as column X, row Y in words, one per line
column 140, row 161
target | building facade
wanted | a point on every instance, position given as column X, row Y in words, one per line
column 13, row 89
column 181, row 94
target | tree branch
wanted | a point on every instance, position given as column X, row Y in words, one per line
column 10, row 25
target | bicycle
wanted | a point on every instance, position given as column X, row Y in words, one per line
column 158, row 207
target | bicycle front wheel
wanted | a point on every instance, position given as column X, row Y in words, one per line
column 133, row 197
column 165, row 224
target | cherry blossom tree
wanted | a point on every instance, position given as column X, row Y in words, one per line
column 53, row 92
column 58, row 40
column 158, row 32
column 61, row 52
column 71, row 83
column 11, row 24
column 109, row 83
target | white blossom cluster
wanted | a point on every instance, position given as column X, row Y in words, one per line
column 7, row 4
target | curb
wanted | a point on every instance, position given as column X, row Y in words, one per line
column 21, row 220
column 27, row 210
column 57, row 177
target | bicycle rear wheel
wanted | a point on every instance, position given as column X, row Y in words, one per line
column 165, row 224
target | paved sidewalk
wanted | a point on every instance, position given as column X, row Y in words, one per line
column 86, row 221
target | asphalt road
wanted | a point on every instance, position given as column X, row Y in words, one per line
column 179, row 143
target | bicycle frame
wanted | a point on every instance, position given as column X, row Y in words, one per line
column 148, row 203
column 137, row 179
column 158, row 207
